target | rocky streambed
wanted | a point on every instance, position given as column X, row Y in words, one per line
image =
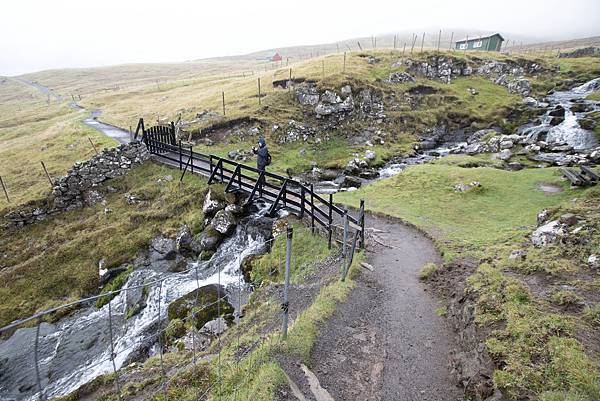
column 562, row 135
column 160, row 284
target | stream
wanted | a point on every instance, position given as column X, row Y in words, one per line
column 567, row 131
column 76, row 350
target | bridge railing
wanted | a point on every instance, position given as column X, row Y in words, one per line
column 282, row 192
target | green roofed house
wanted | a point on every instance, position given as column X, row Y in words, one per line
column 491, row 43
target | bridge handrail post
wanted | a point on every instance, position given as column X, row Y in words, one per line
column 312, row 208
column 192, row 159
column 180, row 156
column 329, row 234
column 362, row 224
column 302, row 195
column 345, row 244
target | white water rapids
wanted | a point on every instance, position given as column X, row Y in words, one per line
column 77, row 349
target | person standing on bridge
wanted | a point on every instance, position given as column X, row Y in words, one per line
column 263, row 157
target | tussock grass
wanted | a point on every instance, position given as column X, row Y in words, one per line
column 427, row 271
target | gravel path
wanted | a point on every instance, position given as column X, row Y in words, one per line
column 386, row 342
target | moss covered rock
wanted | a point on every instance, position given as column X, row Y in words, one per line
column 204, row 302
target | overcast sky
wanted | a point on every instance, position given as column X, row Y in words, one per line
column 44, row 34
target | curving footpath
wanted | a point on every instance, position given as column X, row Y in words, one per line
column 386, row 342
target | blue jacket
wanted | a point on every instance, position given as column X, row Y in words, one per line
column 262, row 157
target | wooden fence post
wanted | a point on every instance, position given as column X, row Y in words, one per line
column 47, row 175
column 93, row 146
column 259, row 91
column 223, row 93
column 439, row 40
column 413, row 43
column 451, row 38
column 422, row 42
column 4, row 189
column 344, row 69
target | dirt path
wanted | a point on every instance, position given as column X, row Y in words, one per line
column 386, row 342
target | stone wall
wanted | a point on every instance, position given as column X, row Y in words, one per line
column 76, row 188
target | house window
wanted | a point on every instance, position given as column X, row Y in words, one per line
column 477, row 44
column 462, row 46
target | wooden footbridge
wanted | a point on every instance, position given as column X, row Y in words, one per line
column 281, row 192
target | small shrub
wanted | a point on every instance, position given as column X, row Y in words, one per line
column 593, row 314
column 427, row 271
column 565, row 298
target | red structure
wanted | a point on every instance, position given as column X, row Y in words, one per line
column 275, row 57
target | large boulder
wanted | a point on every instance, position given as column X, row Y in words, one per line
column 550, row 233
column 223, row 222
column 207, row 303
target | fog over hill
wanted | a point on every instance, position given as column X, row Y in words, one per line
column 67, row 34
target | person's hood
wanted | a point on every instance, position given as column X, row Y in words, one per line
column 262, row 142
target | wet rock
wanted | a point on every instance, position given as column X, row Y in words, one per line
column 480, row 134
column 183, row 241
column 400, row 78
column 107, row 275
column 206, row 302
column 162, row 248
column 223, row 222
column 355, row 165
column 594, row 261
column 211, row 204
column 179, row 264
column 348, row 181
column 550, row 233
column 558, row 111
column 529, row 101
column 210, row 239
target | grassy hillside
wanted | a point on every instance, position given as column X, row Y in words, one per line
column 52, row 262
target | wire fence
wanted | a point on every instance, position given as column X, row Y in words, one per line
column 245, row 355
